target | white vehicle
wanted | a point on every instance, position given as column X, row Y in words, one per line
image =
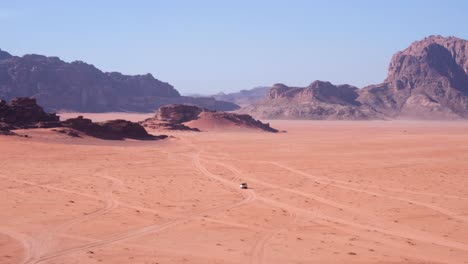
column 243, row 185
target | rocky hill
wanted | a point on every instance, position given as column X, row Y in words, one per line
column 78, row 86
column 428, row 80
column 187, row 117
column 320, row 100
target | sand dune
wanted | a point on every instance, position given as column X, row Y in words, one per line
column 324, row 192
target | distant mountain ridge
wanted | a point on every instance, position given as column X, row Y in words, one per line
column 428, row 80
column 243, row 97
column 78, row 86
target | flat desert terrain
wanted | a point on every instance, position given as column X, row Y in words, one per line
column 324, row 192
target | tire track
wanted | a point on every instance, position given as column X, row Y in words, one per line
column 334, row 184
column 354, row 184
column 350, row 228
column 258, row 251
column 46, row 241
column 248, row 197
column 404, row 233
column 144, row 231
column 87, row 195
column 26, row 241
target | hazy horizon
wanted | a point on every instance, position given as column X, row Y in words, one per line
column 208, row 47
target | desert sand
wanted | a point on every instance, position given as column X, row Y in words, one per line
column 324, row 192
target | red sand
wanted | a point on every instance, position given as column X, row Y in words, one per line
column 324, row 192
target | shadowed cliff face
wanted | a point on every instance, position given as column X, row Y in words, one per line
column 78, row 86
column 428, row 80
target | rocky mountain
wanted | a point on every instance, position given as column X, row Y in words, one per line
column 320, row 100
column 428, row 80
column 188, row 117
column 243, row 97
column 78, row 86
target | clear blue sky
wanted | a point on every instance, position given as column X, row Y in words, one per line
column 210, row 46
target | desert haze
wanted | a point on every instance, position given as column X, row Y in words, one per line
column 324, row 192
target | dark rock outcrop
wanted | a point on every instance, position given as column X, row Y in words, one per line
column 5, row 129
column 163, row 125
column 67, row 131
column 182, row 117
column 78, row 86
column 112, row 130
column 25, row 113
column 428, row 80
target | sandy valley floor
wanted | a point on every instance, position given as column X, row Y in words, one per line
column 324, row 192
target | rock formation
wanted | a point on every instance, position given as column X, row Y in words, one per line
column 24, row 113
column 78, row 86
column 428, row 80
column 188, row 117
column 320, row 100
column 112, row 130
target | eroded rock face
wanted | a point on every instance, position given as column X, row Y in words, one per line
column 78, row 86
column 428, row 80
column 171, row 117
column 176, row 113
column 176, row 117
column 320, row 100
column 25, row 113
column 113, row 130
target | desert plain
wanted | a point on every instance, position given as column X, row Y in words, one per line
column 322, row 192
